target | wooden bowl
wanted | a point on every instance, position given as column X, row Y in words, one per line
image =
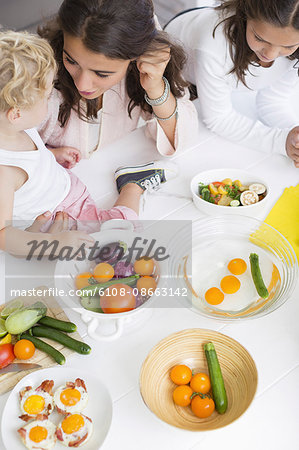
column 186, row 347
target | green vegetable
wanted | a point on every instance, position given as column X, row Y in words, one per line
column 206, row 194
column 217, row 383
column 3, row 331
column 202, row 186
column 41, row 345
column 92, row 304
column 64, row 339
column 233, row 191
column 257, row 276
column 61, row 325
column 234, row 203
column 24, row 318
column 11, row 307
column 90, row 291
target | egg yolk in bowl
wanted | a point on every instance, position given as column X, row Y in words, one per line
column 230, row 284
column 237, row 266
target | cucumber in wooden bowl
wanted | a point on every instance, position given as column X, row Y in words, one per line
column 217, row 383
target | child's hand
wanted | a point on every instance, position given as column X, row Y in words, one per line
column 74, row 239
column 151, row 66
column 39, row 221
column 68, row 157
column 292, row 145
column 60, row 222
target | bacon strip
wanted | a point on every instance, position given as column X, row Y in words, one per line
column 80, row 383
column 22, row 432
column 61, row 411
column 59, row 434
column 26, row 417
column 78, row 441
column 41, row 417
column 46, row 386
column 24, row 390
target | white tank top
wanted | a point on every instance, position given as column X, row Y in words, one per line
column 48, row 182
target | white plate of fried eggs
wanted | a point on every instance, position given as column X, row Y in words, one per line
column 76, row 408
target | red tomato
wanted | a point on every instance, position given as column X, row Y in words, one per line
column 218, row 183
column 6, row 355
column 217, row 198
column 118, row 298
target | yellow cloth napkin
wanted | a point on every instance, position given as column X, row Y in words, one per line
column 284, row 216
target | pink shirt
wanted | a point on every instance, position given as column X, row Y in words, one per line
column 116, row 123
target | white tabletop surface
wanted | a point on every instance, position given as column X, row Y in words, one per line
column 273, row 341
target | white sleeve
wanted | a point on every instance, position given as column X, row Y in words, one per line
column 274, row 103
column 219, row 115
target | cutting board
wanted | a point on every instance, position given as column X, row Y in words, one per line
column 9, row 380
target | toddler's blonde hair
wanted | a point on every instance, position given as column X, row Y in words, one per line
column 26, row 60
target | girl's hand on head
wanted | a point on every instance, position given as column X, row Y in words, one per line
column 68, row 157
column 152, row 66
column 292, row 145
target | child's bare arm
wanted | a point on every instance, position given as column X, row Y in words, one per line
column 24, row 243
column 16, row 241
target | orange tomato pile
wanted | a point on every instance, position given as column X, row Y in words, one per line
column 146, row 284
column 102, row 272
column 229, row 284
column 120, row 297
column 193, row 390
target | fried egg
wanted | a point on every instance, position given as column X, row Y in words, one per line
column 74, row 430
column 38, row 434
column 71, row 397
column 36, row 401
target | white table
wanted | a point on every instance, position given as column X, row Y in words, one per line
column 273, row 341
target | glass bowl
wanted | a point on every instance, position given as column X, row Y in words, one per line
column 215, row 242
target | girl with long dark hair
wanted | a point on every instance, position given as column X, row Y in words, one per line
column 115, row 66
column 243, row 45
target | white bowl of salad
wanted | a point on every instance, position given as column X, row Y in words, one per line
column 230, row 191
